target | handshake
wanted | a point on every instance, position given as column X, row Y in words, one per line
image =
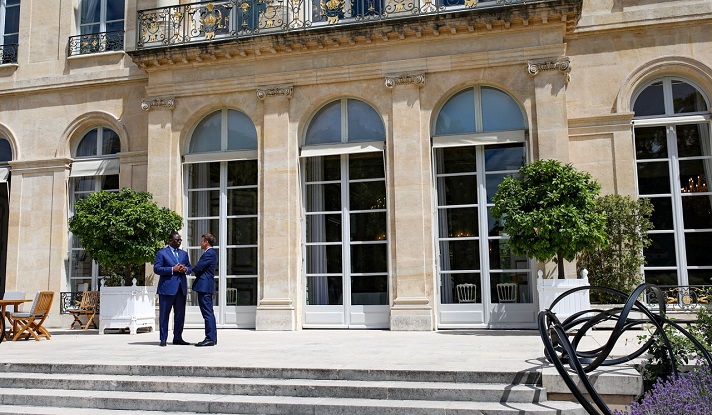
column 180, row 268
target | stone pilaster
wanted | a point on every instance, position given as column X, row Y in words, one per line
column 411, row 239
column 550, row 79
column 163, row 177
column 279, row 214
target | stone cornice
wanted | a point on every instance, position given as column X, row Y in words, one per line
column 606, row 121
column 40, row 166
column 133, row 157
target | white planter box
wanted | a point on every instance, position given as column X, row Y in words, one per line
column 550, row 289
column 127, row 307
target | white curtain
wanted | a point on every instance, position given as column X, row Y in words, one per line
column 446, row 282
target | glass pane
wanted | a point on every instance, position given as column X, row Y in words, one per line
column 458, row 222
column 203, row 175
column 110, row 182
column 242, row 201
column 116, row 38
column 692, row 175
column 650, row 143
column 326, row 125
column 457, row 159
column 203, row 203
column 450, row 294
column 366, row 166
column 12, row 18
column 688, row 140
column 242, row 231
column 457, row 115
column 84, row 184
column 661, row 251
column 500, row 111
column 323, row 228
column 323, row 197
column 457, row 190
column 89, row 29
column 319, row 169
column 492, row 182
column 324, row 291
column 242, row 261
column 241, row 291
column 494, row 225
column 663, row 277
column 206, row 136
column 510, row 288
column 697, row 212
column 364, row 124
column 367, row 195
column 81, row 264
column 5, row 150
column 197, row 227
column 110, row 142
column 368, row 226
column 87, row 146
column 369, row 290
column 504, row 157
column 459, row 255
column 697, row 246
column 650, row 101
column 91, row 11
column 369, row 258
column 653, row 178
column 242, row 173
column 241, row 132
column 114, row 9
column 686, row 98
column 77, row 286
column 699, row 277
column 662, row 213
column 323, row 259
column 502, row 257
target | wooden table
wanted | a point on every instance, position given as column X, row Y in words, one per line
column 3, row 306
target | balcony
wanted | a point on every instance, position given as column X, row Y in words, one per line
column 96, row 43
column 8, row 53
column 209, row 21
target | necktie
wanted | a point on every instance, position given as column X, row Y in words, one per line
column 175, row 252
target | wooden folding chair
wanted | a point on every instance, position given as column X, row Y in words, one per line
column 30, row 324
column 88, row 307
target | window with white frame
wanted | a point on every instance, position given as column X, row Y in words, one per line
column 101, row 26
column 673, row 170
column 95, row 167
column 9, row 29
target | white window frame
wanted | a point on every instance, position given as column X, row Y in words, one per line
column 102, row 18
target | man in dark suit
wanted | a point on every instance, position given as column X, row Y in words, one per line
column 172, row 263
column 204, row 285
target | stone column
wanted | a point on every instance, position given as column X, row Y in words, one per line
column 279, row 215
column 550, row 79
column 163, row 178
column 410, row 211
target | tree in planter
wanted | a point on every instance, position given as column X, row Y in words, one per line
column 548, row 212
column 618, row 264
column 122, row 231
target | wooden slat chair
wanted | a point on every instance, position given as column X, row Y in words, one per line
column 88, row 307
column 30, row 324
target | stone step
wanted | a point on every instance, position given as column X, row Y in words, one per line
column 393, row 390
column 270, row 405
column 47, row 410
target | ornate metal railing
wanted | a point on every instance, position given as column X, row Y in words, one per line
column 96, row 42
column 8, row 53
column 231, row 19
column 69, row 301
column 685, row 298
column 562, row 351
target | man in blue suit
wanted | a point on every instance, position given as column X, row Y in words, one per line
column 172, row 264
column 204, row 285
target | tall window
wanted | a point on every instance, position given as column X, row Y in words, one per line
column 674, row 170
column 10, row 29
column 5, row 157
column 222, row 196
column 101, row 27
column 95, row 167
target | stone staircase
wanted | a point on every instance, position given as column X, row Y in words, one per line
column 80, row 389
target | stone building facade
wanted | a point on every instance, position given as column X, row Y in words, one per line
column 346, row 153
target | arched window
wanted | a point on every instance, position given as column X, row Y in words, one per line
column 221, row 174
column 674, row 169
column 95, row 167
column 478, row 140
column 345, row 240
column 5, row 157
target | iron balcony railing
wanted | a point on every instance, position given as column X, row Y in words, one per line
column 208, row 21
column 69, row 301
column 682, row 297
column 96, row 42
column 8, row 53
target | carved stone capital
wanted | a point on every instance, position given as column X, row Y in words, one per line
column 276, row 91
column 562, row 64
column 408, row 79
column 168, row 102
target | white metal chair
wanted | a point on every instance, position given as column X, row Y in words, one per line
column 507, row 292
column 466, row 293
column 231, row 296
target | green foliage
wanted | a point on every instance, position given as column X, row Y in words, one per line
column 702, row 329
column 549, row 212
column 618, row 264
column 122, row 230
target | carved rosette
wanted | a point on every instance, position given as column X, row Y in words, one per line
column 285, row 91
column 562, row 64
column 149, row 103
column 415, row 79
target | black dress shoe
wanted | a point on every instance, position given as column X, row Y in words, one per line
column 205, row 343
column 181, row 342
column 163, row 343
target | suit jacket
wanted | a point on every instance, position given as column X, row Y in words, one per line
column 205, row 272
column 169, row 284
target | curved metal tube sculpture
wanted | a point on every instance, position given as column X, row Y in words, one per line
column 561, row 351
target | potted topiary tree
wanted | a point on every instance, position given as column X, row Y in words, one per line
column 548, row 213
column 122, row 232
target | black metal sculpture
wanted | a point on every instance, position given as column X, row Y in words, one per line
column 561, row 351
